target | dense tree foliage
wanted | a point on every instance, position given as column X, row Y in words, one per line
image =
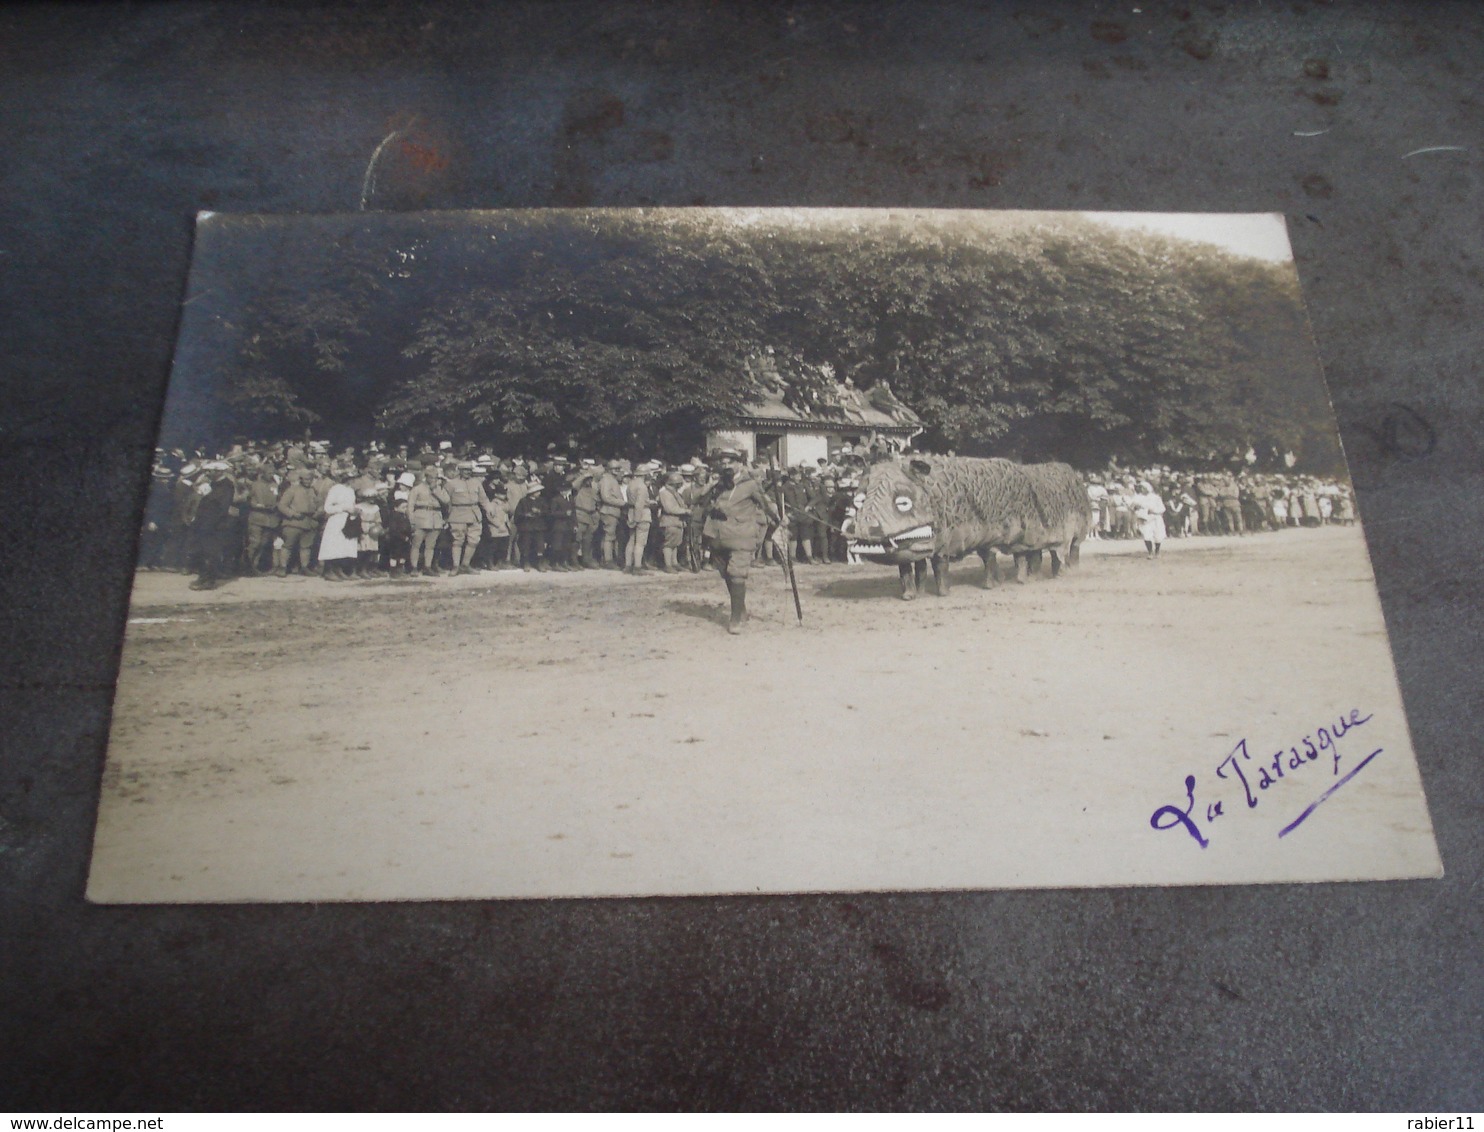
column 1036, row 335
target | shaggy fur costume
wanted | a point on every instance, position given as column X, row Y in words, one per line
column 976, row 505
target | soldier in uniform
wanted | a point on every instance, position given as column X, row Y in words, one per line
column 640, row 518
column 674, row 515
column 1205, row 496
column 467, row 504
column 1229, row 504
column 610, row 509
column 732, row 522
column 425, row 510
column 697, row 495
column 299, row 507
column 585, row 513
column 800, row 524
column 821, row 493
column 262, row 517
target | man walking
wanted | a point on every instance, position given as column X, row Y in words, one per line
column 737, row 511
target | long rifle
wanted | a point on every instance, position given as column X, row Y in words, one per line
column 788, row 556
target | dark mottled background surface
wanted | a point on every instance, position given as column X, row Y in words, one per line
column 118, row 122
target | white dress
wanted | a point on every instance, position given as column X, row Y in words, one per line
column 1149, row 511
column 333, row 544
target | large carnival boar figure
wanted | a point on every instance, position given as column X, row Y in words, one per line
column 917, row 510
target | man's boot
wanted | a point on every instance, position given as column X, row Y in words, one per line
column 738, row 590
column 280, row 563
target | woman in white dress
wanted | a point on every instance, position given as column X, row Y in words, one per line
column 337, row 549
column 1149, row 514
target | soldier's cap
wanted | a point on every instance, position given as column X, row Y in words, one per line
column 534, row 485
column 466, row 465
column 589, row 462
column 675, row 477
column 687, row 469
column 444, row 445
column 407, row 479
column 726, row 454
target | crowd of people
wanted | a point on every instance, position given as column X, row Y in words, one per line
column 300, row 508
column 1156, row 503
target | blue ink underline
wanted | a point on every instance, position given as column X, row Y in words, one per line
column 1360, row 766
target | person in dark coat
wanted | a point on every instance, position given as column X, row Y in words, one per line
column 184, row 501
column 800, row 523
column 821, row 495
column 154, row 538
column 531, row 523
column 561, row 524
column 213, row 529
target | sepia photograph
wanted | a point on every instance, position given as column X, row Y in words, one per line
column 586, row 552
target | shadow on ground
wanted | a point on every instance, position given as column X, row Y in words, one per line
column 702, row 610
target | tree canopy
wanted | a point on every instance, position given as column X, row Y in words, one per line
column 1031, row 334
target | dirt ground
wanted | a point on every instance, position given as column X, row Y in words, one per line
column 514, row 734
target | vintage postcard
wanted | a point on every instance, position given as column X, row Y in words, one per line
column 691, row 551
